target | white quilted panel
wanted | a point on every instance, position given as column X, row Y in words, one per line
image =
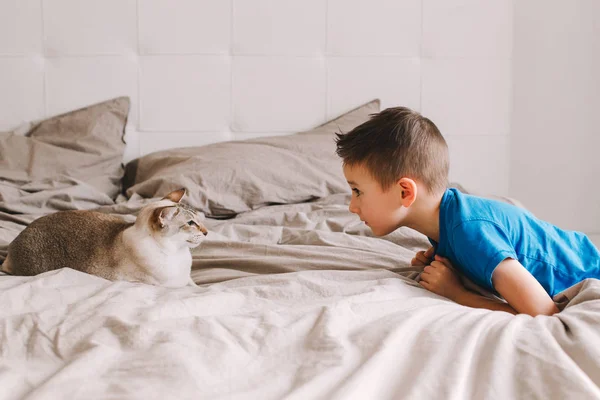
column 184, row 26
column 83, row 27
column 185, row 93
column 467, row 28
column 73, row 82
column 279, row 27
column 374, row 27
column 22, row 93
column 20, row 30
column 396, row 81
column 468, row 97
column 278, row 93
column 479, row 163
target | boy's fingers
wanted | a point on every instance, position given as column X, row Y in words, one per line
column 444, row 261
column 429, row 252
column 418, row 259
column 416, row 262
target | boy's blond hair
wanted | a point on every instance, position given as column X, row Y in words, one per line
column 395, row 143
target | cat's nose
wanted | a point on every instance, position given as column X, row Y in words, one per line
column 204, row 231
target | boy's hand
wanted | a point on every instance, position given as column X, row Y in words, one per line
column 440, row 278
column 422, row 258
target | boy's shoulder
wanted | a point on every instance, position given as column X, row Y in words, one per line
column 460, row 207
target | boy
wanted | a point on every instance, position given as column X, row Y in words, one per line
column 397, row 167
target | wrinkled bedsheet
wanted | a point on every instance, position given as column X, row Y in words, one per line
column 295, row 301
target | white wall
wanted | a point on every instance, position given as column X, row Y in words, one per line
column 555, row 142
column 200, row 71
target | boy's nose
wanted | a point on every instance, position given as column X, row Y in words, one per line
column 352, row 208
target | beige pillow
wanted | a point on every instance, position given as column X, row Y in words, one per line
column 78, row 153
column 505, row 199
column 227, row 178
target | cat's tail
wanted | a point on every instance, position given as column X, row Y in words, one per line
column 6, row 266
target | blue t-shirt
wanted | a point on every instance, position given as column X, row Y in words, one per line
column 477, row 234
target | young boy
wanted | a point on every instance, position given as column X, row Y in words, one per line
column 397, row 167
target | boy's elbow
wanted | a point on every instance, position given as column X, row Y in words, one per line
column 549, row 311
column 552, row 311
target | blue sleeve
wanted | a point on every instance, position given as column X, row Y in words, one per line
column 479, row 247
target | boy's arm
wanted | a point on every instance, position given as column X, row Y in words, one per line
column 521, row 290
column 472, row 299
column 440, row 278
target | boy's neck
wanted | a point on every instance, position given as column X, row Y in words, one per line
column 424, row 215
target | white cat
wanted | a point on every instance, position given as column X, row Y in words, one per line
column 154, row 250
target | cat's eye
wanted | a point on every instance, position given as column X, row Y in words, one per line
column 191, row 223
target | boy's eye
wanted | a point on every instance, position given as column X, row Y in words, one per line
column 356, row 191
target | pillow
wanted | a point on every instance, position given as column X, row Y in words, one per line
column 227, row 178
column 505, row 199
column 63, row 159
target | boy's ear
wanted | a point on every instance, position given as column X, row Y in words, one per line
column 408, row 188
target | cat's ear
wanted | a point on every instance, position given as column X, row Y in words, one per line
column 175, row 196
column 166, row 215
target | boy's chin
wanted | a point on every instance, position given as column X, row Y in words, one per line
column 380, row 232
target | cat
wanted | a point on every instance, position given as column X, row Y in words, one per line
column 155, row 249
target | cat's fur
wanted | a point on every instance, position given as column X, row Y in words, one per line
column 154, row 250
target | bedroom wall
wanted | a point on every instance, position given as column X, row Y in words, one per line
column 555, row 141
column 201, row 71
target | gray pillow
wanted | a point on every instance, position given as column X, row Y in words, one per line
column 227, row 178
column 60, row 160
column 505, row 199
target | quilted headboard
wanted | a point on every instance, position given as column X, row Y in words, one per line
column 201, row 71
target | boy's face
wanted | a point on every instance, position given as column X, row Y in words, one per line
column 381, row 210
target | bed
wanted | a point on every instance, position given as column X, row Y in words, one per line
column 296, row 298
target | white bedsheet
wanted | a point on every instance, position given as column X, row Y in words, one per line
column 301, row 335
